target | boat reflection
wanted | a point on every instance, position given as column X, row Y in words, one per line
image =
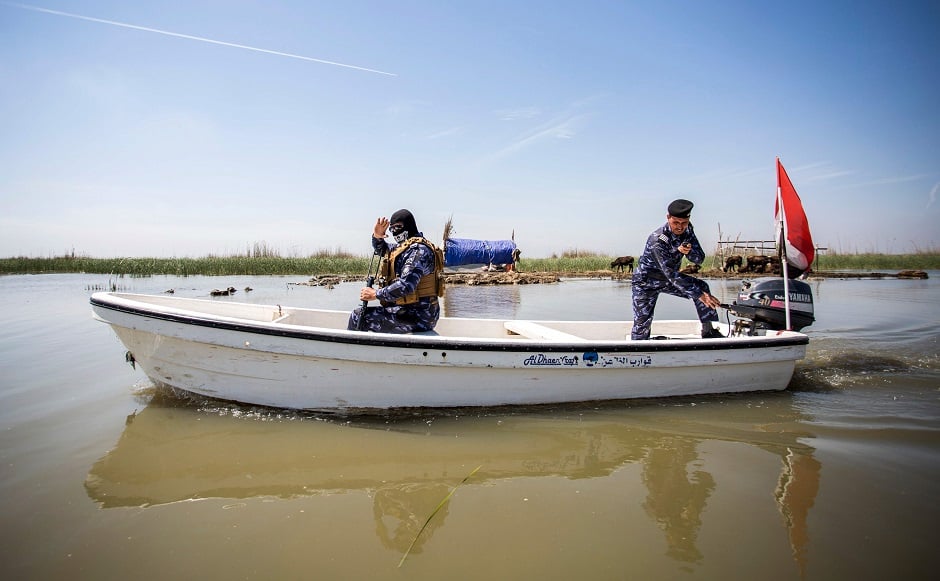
column 169, row 453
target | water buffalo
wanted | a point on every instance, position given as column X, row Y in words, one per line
column 773, row 265
column 690, row 268
column 623, row 262
column 756, row 263
column 733, row 263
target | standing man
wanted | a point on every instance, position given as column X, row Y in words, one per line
column 410, row 280
column 658, row 272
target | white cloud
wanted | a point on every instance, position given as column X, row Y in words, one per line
column 559, row 128
column 520, row 113
column 830, row 175
column 445, row 133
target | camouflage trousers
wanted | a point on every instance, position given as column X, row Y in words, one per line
column 417, row 317
column 647, row 293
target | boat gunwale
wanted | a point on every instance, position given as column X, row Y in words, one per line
column 438, row 342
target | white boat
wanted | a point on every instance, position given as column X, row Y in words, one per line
column 302, row 358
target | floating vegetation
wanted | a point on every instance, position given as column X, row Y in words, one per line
column 111, row 286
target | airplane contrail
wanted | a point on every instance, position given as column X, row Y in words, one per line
column 190, row 37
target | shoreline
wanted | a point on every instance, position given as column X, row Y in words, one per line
column 517, row 277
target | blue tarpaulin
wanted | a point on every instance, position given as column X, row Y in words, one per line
column 460, row 251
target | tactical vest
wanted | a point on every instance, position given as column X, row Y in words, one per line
column 430, row 285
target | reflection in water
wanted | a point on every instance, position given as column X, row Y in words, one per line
column 407, row 464
column 676, row 498
column 482, row 301
column 796, row 493
column 397, row 524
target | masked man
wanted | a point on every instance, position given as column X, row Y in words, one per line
column 410, row 280
column 658, row 272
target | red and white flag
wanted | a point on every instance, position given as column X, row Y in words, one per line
column 792, row 226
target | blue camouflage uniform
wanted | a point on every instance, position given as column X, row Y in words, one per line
column 658, row 272
column 411, row 265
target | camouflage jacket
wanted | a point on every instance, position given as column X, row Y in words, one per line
column 411, row 266
column 661, row 260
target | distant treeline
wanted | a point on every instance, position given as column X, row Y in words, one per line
column 348, row 264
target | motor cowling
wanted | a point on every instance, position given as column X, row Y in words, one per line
column 762, row 303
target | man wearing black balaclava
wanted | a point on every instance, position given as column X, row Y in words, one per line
column 410, row 280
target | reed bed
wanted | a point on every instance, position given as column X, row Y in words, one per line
column 333, row 263
column 566, row 264
column 871, row 261
column 208, row 266
column 824, row 262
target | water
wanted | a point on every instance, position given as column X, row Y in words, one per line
column 836, row 478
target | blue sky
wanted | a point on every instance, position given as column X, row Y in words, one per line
column 571, row 124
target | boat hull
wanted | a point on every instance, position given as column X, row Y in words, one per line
column 254, row 354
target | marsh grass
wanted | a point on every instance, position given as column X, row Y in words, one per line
column 871, row 261
column 565, row 263
column 256, row 262
column 338, row 262
column 833, row 261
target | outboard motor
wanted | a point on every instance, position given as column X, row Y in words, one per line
column 760, row 306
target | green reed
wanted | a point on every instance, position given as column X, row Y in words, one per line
column 872, row 261
column 565, row 264
column 209, row 266
column 342, row 263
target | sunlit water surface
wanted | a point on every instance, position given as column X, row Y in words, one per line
column 105, row 477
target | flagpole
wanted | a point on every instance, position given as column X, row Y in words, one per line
column 783, row 250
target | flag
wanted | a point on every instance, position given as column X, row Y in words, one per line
column 792, row 226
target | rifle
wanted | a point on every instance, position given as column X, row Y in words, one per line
column 369, row 282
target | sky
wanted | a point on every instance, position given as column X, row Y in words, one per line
column 198, row 127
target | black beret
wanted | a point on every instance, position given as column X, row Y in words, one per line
column 680, row 208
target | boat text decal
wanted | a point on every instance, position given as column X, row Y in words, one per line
column 595, row 359
column 589, row 359
column 543, row 360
